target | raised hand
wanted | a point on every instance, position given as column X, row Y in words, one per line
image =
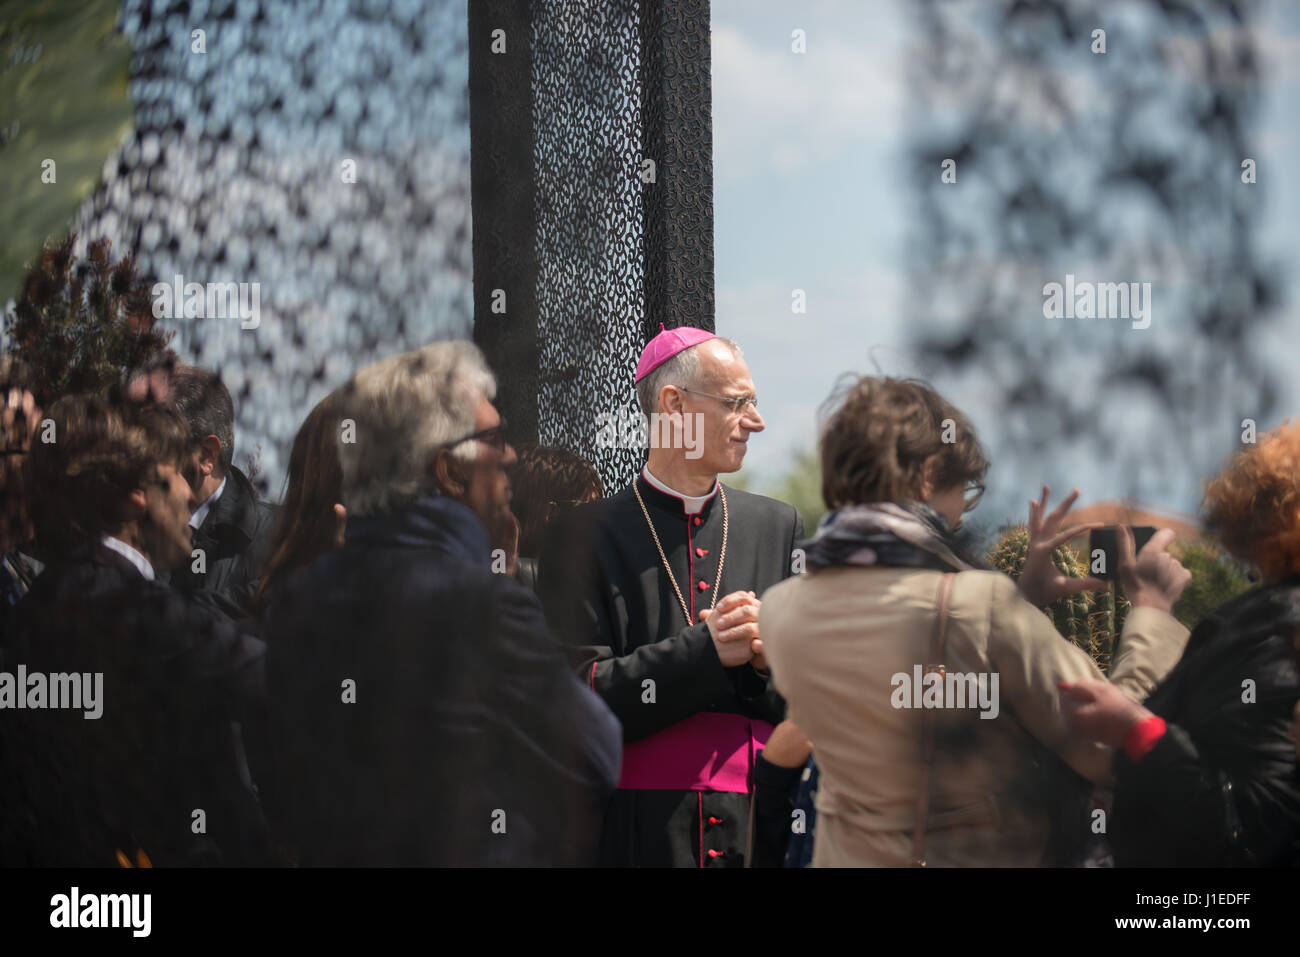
column 1041, row 581
column 1152, row 578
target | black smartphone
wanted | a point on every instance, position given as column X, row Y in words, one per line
column 1103, row 549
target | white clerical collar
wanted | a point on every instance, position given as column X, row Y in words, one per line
column 131, row 555
column 201, row 512
column 692, row 503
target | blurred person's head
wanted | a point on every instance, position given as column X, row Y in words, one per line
column 897, row 440
column 1253, row 505
column 19, row 416
column 204, row 402
column 710, row 382
column 546, row 481
column 424, row 422
column 311, row 517
column 112, row 470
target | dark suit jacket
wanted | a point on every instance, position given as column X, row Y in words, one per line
column 236, row 538
column 421, row 713
column 175, row 677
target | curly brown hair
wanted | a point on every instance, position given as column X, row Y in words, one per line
column 96, row 454
column 879, row 434
column 1253, row 505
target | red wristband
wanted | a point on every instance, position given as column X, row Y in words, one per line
column 1142, row 736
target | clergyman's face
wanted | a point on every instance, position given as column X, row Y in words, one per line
column 165, row 529
column 725, row 434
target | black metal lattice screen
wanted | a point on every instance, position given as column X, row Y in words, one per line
column 607, row 230
column 325, row 155
column 317, row 152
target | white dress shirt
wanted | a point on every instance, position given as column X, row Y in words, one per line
column 131, row 555
column 201, row 512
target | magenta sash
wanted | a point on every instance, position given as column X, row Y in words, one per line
column 706, row 752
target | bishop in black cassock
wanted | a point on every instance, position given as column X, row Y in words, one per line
column 623, row 581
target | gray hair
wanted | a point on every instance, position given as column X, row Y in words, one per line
column 682, row 369
column 403, row 409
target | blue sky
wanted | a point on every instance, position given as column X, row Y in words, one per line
column 812, row 192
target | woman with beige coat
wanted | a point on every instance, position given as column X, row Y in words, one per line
column 935, row 734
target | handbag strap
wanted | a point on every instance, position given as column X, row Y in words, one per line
column 938, row 641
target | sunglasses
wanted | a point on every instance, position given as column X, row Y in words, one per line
column 495, row 437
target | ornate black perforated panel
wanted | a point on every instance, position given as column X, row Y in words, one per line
column 1105, row 175
column 592, row 194
column 616, row 115
column 591, row 270
column 677, row 110
column 236, row 172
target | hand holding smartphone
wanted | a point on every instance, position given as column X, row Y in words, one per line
column 1103, row 549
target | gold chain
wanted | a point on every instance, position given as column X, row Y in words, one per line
column 722, row 556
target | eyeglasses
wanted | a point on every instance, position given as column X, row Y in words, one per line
column 974, row 492
column 734, row 403
column 495, row 437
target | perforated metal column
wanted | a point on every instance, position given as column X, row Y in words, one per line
column 621, row 227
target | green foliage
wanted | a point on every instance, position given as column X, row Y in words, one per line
column 1085, row 618
column 80, row 326
column 63, row 83
column 1111, row 611
column 738, row 480
column 801, row 486
column 1216, row 578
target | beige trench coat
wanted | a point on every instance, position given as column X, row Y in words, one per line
column 843, row 644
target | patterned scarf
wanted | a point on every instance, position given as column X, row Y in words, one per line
column 910, row 534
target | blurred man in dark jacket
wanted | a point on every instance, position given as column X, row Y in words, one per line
column 421, row 713
column 232, row 528
column 118, row 696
